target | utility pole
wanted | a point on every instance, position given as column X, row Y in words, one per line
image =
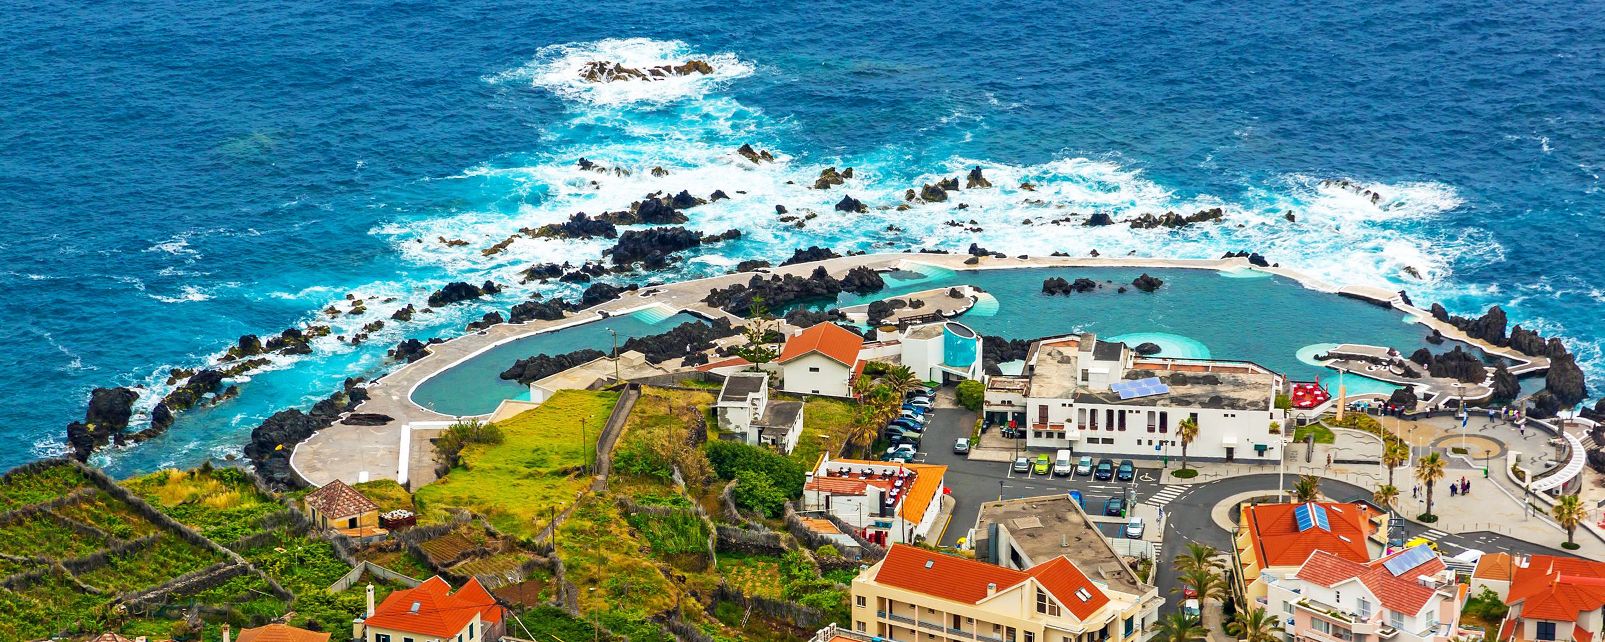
column 615, row 334
column 585, row 445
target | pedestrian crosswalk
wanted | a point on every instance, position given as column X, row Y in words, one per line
column 1433, row 534
column 1166, row 495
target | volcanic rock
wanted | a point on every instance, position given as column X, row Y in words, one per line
column 850, row 204
column 459, row 291
column 602, row 71
column 489, row 319
column 1506, row 387
column 976, row 180
column 542, row 272
column 1147, row 348
column 578, row 226
column 829, row 177
column 549, row 310
column 1099, row 219
column 777, row 291
column 751, row 264
column 367, row 419
column 1565, row 380
column 1147, row 283
column 1058, row 285
column 529, row 370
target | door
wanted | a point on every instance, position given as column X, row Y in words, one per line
column 1230, row 453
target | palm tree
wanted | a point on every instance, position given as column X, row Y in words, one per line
column 1429, row 470
column 1306, row 489
column 864, row 429
column 1569, row 512
column 1186, row 431
column 1205, row 582
column 1254, row 625
column 901, row 379
column 1179, row 627
column 1385, row 495
column 1198, row 556
column 1394, row 454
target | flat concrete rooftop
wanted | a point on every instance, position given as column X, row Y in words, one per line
column 1052, row 525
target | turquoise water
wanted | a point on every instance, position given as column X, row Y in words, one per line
column 1197, row 313
column 475, row 387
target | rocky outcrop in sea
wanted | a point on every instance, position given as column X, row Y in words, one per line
column 272, row 442
column 460, row 291
column 779, row 291
column 604, row 71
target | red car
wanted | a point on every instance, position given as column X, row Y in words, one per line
column 1188, row 593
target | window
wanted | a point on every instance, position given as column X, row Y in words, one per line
column 381, row 637
column 1151, row 416
column 1109, row 418
column 1164, row 422
column 1364, row 606
column 1546, row 630
column 1128, row 628
column 1081, row 418
column 861, row 628
column 862, row 601
column 1287, row 607
column 351, row 523
column 1046, row 605
column 1009, row 634
column 1122, row 420
column 1030, row 637
column 813, row 368
column 1321, row 625
column 1094, row 420
column 470, row 630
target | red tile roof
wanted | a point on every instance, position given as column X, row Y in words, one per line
column 1398, row 593
column 1493, row 566
column 1277, row 541
column 837, row 485
column 723, row 363
column 927, row 485
column 1557, row 588
column 438, row 612
column 1580, row 634
column 336, row 500
column 281, row 633
column 965, row 580
column 827, row 339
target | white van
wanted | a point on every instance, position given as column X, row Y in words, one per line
column 1062, row 465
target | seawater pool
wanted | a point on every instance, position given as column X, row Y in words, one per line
column 475, row 386
column 1248, row 315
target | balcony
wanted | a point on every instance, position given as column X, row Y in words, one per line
column 987, row 638
column 1326, row 610
column 960, row 633
column 897, row 618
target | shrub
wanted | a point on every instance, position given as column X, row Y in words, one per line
column 730, row 458
column 971, row 394
column 462, row 433
column 1284, row 402
column 754, row 491
column 1487, row 605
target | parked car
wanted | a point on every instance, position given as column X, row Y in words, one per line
column 1075, row 496
column 899, row 450
column 1061, row 464
column 1105, row 470
column 1134, row 528
column 1127, row 471
column 1084, row 467
column 1022, row 464
column 913, row 416
column 910, row 423
column 1190, row 607
column 920, row 401
column 1044, row 464
column 961, row 447
column 1114, row 507
column 913, row 409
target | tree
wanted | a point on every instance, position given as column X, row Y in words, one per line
column 1198, row 555
column 1394, row 454
column 971, row 394
column 1306, row 489
column 1205, row 582
column 759, row 324
column 1429, row 470
column 1187, row 431
column 1385, row 495
column 1570, row 513
column 755, row 492
column 1179, row 627
column 1254, row 625
column 901, row 379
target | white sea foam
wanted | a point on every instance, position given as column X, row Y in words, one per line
column 557, row 68
column 186, row 294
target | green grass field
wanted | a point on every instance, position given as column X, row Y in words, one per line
column 825, row 424
column 517, row 484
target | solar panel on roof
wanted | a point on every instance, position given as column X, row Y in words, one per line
column 1409, row 559
column 1311, row 516
column 1139, row 388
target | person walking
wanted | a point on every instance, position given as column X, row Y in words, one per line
column 1454, row 489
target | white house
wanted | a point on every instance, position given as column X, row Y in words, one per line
column 822, row 360
column 945, row 351
column 886, row 502
column 1100, row 398
column 1409, row 596
column 745, row 409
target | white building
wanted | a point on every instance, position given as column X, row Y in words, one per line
column 1409, row 596
column 944, row 352
column 886, row 502
column 822, row 360
column 1100, row 398
column 745, row 409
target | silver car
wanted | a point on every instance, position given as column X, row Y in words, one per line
column 1022, row 465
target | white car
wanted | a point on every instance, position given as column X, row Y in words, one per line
column 1134, row 528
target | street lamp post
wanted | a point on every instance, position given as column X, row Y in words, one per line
column 615, row 334
column 1465, row 417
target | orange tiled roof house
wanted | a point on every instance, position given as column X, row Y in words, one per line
column 821, row 360
column 1554, row 598
column 338, row 506
column 1409, row 596
column 432, row 612
column 886, row 502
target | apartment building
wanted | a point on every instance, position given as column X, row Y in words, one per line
column 885, row 502
column 1100, row 398
column 1274, row 540
column 919, row 595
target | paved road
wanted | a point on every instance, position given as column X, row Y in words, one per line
column 1187, row 507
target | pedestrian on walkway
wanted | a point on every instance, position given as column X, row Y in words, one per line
column 1465, row 486
column 1453, row 488
column 1329, row 460
column 1415, row 493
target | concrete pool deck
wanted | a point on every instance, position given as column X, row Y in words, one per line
column 350, row 453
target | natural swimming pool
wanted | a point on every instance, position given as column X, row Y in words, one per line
column 475, row 386
column 1248, row 315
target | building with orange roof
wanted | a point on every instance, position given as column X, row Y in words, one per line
column 1493, row 572
column 1408, row 596
column 1278, row 538
column 1554, row 598
column 280, row 633
column 433, row 612
column 821, row 360
column 913, row 591
column 886, row 502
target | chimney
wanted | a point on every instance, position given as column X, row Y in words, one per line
column 370, row 600
column 226, row 632
column 991, row 589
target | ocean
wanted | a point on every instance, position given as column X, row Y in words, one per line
column 175, row 175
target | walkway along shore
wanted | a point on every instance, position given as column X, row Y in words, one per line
column 400, row 449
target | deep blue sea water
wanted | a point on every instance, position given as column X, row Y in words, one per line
column 173, row 175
